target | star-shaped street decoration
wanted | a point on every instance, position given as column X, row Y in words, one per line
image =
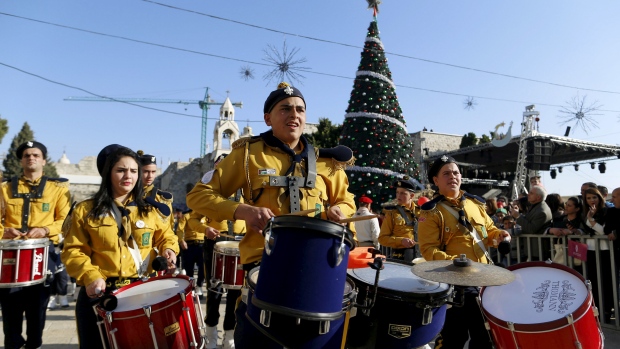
column 374, row 5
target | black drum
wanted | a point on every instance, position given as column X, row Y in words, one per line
column 409, row 311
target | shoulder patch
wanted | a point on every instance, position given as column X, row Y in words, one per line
column 240, row 143
column 475, row 198
column 429, row 205
column 207, row 177
column 166, row 195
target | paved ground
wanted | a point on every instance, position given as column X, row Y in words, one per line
column 60, row 330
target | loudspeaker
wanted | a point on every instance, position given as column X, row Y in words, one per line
column 539, row 154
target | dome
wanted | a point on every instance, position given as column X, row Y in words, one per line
column 64, row 159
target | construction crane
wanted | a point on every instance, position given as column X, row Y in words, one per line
column 203, row 104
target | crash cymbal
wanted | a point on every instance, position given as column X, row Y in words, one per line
column 463, row 272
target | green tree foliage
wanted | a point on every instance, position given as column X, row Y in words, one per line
column 12, row 165
column 4, row 128
column 485, row 139
column 375, row 129
column 326, row 135
column 468, row 140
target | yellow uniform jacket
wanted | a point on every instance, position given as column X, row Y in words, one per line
column 394, row 228
column 249, row 167
column 195, row 226
column 439, row 233
column 48, row 211
column 93, row 248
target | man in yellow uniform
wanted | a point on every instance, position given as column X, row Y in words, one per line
column 397, row 230
column 451, row 224
column 191, row 244
column 36, row 207
column 155, row 197
column 278, row 172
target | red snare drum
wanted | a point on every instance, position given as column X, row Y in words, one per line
column 227, row 266
column 547, row 306
column 161, row 312
column 24, row 262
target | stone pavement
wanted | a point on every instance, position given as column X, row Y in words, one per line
column 60, row 332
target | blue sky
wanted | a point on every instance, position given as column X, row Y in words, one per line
column 560, row 42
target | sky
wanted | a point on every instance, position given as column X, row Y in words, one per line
column 506, row 55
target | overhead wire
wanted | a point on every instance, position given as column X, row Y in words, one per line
column 387, row 52
column 106, row 97
column 265, row 64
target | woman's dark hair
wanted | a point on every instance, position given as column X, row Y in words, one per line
column 554, row 201
column 103, row 199
column 577, row 202
column 599, row 216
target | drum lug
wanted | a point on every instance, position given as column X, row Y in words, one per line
column 265, row 318
column 427, row 316
column 182, row 295
column 324, row 327
column 298, row 321
column 268, row 239
column 147, row 311
column 340, row 251
column 108, row 316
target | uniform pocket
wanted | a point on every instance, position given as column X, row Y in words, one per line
column 103, row 233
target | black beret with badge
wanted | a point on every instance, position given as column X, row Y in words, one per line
column 146, row 159
column 283, row 91
column 30, row 144
column 437, row 165
column 103, row 155
column 405, row 183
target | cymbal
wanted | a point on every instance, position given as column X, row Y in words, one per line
column 463, row 272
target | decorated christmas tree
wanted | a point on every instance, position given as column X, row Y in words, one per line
column 374, row 127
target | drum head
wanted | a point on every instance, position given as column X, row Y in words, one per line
column 538, row 294
column 227, row 247
column 149, row 293
column 396, row 278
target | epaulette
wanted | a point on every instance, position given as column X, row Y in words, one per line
column 341, row 156
column 166, row 195
column 480, row 200
column 389, row 207
column 61, row 182
column 189, row 210
column 163, row 209
column 239, row 143
column 57, row 179
column 429, row 205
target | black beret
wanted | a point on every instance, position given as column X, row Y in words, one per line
column 405, row 183
column 103, row 156
column 30, row 144
column 283, row 91
column 146, row 159
column 437, row 165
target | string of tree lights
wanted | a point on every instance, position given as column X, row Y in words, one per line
column 247, row 73
column 375, row 128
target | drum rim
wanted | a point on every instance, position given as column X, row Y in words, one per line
column 320, row 225
column 165, row 302
column 542, row 326
column 6, row 244
column 225, row 250
column 400, row 294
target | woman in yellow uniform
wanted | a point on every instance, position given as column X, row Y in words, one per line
column 103, row 254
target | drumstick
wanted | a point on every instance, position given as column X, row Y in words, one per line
column 358, row 218
column 227, row 236
column 299, row 213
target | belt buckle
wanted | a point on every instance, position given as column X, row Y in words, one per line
column 121, row 282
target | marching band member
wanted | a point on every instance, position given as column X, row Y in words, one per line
column 455, row 223
column 272, row 169
column 113, row 237
column 36, row 207
column 397, row 230
column 149, row 173
column 191, row 245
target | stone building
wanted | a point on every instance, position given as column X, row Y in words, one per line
column 84, row 179
column 427, row 144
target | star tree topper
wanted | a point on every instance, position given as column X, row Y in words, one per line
column 374, row 5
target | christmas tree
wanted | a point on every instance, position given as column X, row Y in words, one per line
column 374, row 127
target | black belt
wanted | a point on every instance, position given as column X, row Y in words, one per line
column 195, row 242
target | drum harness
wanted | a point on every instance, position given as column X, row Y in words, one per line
column 36, row 192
